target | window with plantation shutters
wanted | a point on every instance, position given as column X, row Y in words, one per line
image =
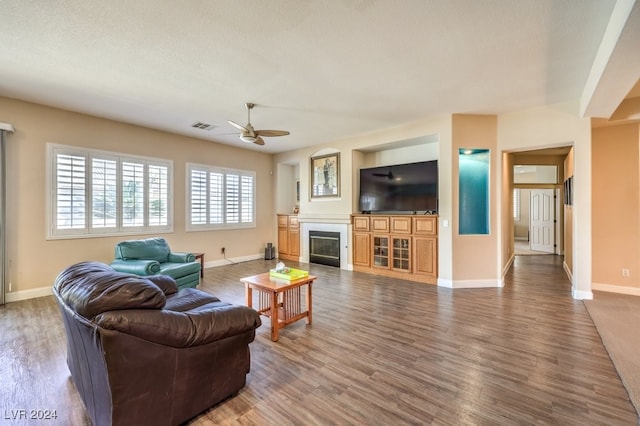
column 220, row 198
column 105, row 193
column 71, row 179
column 198, row 184
column 246, row 198
column 216, row 198
column 157, row 200
column 133, row 180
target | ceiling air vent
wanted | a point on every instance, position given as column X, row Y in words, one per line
column 203, row 126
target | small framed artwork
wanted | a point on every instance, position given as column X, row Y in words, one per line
column 568, row 191
column 325, row 176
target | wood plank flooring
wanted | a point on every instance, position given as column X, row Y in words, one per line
column 380, row 351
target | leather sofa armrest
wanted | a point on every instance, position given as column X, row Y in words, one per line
column 205, row 324
column 177, row 257
column 136, row 266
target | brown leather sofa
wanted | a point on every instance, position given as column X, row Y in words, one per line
column 142, row 352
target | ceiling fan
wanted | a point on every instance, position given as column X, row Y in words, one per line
column 250, row 135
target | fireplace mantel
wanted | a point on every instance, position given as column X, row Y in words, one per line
column 325, row 218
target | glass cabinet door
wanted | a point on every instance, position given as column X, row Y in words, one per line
column 401, row 253
column 381, row 251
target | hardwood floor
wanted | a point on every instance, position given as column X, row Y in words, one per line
column 379, row 351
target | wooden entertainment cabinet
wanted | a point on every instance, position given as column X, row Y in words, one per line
column 400, row 246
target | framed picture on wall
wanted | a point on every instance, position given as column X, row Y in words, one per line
column 325, row 176
column 568, row 191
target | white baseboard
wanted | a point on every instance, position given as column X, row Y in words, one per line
column 567, row 271
column 632, row 291
column 445, row 283
column 230, row 260
column 581, row 295
column 576, row 294
column 508, row 266
column 16, row 296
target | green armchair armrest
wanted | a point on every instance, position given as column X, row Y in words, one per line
column 137, row 266
column 181, row 257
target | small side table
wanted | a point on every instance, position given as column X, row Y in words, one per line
column 280, row 300
column 201, row 257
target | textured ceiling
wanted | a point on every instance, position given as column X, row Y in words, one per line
column 324, row 70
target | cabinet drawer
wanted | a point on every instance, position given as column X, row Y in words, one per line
column 380, row 224
column 293, row 222
column 425, row 225
column 283, row 221
column 361, row 223
column 400, row 225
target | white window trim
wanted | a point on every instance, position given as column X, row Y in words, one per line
column 87, row 232
column 215, row 169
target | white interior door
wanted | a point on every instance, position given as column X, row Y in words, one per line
column 542, row 220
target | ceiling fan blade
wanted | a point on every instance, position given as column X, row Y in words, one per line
column 259, row 141
column 271, row 133
column 388, row 175
column 239, row 127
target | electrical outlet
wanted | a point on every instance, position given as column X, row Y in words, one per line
column 625, row 272
column 222, row 250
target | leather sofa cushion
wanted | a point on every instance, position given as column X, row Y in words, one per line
column 151, row 248
column 198, row 326
column 188, row 298
column 90, row 288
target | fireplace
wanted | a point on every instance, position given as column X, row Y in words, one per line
column 324, row 248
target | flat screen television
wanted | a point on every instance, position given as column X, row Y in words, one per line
column 400, row 188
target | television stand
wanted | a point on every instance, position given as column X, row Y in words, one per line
column 399, row 246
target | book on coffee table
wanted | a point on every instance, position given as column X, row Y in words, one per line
column 290, row 274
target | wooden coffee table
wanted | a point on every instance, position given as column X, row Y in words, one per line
column 279, row 299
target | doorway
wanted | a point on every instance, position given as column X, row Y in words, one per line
column 537, row 202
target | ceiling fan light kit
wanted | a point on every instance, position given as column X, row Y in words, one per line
column 249, row 135
column 248, row 139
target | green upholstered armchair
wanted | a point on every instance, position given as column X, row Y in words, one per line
column 152, row 256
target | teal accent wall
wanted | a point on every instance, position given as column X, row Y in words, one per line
column 473, row 191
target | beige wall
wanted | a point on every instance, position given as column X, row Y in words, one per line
column 475, row 131
column 616, row 205
column 34, row 262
